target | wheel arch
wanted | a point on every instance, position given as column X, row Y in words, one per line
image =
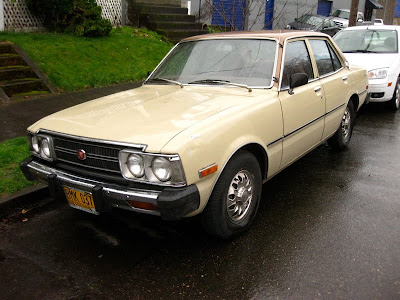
column 356, row 101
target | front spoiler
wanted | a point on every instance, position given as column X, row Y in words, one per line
column 171, row 203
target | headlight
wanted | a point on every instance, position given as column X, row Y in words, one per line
column 41, row 146
column 378, row 73
column 135, row 165
column 161, row 168
column 35, row 144
column 45, row 145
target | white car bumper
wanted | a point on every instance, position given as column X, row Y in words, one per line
column 381, row 92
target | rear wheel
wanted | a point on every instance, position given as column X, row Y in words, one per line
column 235, row 199
column 341, row 139
column 394, row 103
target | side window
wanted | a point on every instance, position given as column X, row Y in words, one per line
column 322, row 57
column 297, row 60
column 336, row 61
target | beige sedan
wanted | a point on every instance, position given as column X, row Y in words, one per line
column 220, row 115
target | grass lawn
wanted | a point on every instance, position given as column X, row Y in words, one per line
column 73, row 63
column 12, row 152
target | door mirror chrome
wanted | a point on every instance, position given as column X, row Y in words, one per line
column 296, row 80
column 347, row 65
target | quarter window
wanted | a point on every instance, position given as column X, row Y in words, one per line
column 297, row 60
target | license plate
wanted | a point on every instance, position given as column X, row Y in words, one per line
column 80, row 200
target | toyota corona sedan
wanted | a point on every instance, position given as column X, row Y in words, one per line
column 218, row 117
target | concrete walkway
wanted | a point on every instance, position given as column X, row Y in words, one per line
column 16, row 117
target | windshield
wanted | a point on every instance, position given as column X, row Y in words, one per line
column 311, row 20
column 341, row 14
column 248, row 62
column 367, row 41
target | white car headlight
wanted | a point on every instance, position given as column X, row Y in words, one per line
column 378, row 73
column 161, row 168
column 135, row 165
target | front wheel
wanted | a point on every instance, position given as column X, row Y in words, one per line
column 235, row 199
column 341, row 139
column 394, row 103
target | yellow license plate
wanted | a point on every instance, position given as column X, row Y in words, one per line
column 80, row 200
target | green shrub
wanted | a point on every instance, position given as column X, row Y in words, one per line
column 80, row 17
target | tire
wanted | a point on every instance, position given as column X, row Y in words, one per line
column 341, row 139
column 394, row 103
column 234, row 202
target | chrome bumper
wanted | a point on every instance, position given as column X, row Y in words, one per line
column 171, row 203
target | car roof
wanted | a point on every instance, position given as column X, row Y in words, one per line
column 273, row 34
column 373, row 27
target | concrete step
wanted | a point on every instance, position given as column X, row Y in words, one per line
column 7, row 60
column 19, row 86
column 16, row 72
column 175, row 25
column 170, row 18
column 6, row 47
column 160, row 9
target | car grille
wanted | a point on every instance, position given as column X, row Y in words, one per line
column 340, row 24
column 98, row 155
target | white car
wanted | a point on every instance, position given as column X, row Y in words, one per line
column 377, row 49
column 341, row 17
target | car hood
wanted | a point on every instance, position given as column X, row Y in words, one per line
column 150, row 115
column 371, row 61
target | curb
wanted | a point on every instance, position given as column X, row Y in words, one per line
column 23, row 198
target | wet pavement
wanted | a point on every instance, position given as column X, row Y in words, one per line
column 327, row 228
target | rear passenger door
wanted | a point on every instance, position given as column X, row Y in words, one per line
column 334, row 81
column 303, row 112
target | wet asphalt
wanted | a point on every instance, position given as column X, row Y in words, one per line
column 328, row 227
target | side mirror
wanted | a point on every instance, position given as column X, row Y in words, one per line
column 296, row 80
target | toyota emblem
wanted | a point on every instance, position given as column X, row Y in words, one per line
column 81, row 154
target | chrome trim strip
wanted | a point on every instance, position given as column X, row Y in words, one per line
column 309, row 123
column 93, row 140
column 336, row 108
column 305, row 125
column 364, row 91
column 277, row 140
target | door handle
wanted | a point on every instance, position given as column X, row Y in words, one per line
column 344, row 78
column 317, row 89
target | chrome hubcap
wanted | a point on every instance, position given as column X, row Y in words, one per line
column 240, row 194
column 346, row 124
column 397, row 103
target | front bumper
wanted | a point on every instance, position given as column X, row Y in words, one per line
column 170, row 203
column 381, row 92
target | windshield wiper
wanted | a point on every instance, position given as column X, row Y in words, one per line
column 166, row 80
column 217, row 81
column 361, row 51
